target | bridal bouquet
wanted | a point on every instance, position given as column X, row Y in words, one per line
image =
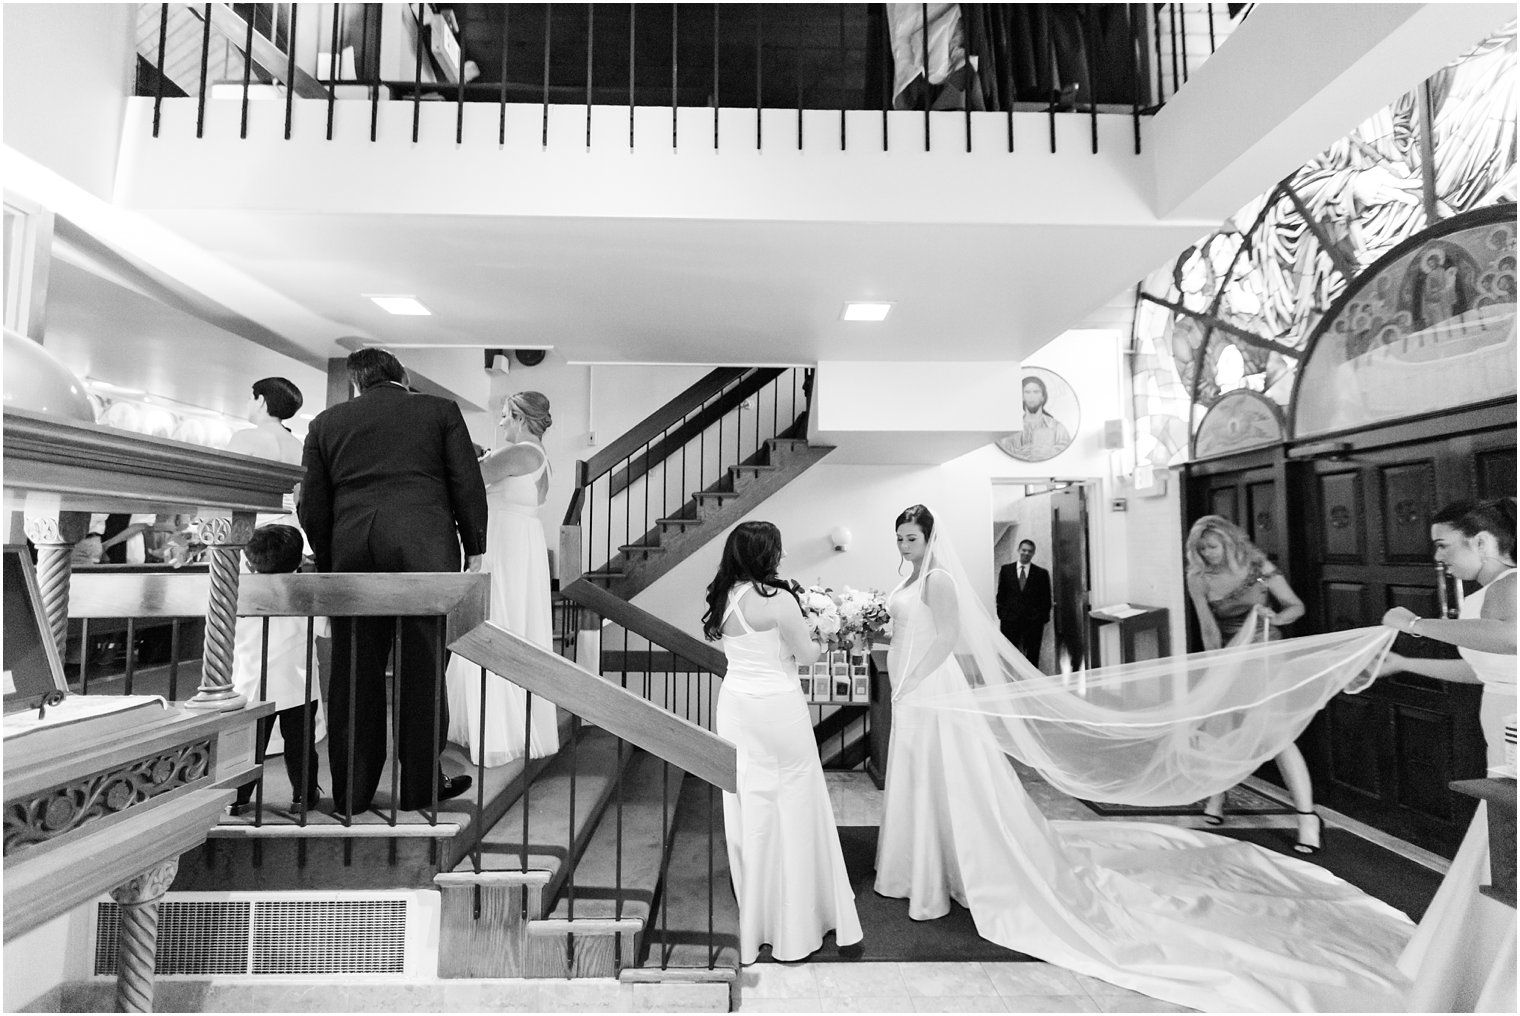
column 821, row 612
column 863, row 617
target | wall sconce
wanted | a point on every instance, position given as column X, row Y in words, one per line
column 840, row 537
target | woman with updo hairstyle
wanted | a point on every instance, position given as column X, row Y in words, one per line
column 783, row 847
column 517, row 558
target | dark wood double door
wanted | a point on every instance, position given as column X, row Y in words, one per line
column 1352, row 530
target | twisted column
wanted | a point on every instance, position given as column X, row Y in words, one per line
column 137, row 943
column 54, row 534
column 224, row 537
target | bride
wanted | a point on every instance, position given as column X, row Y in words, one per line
column 1193, row 918
column 517, row 481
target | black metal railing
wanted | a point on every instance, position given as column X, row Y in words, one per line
column 1058, row 59
column 654, row 478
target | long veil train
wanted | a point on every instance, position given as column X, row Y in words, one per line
column 1186, row 916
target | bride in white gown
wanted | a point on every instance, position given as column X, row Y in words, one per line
column 517, row 480
column 1189, row 917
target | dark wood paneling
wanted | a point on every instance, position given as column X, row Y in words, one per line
column 1496, row 473
column 1408, row 502
column 1353, row 725
column 1263, row 524
column 1222, row 501
column 1340, row 500
column 1423, row 750
column 1345, row 604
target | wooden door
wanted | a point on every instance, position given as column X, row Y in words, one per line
column 1069, row 574
column 1386, row 756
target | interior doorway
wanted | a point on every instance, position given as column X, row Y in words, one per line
column 1053, row 515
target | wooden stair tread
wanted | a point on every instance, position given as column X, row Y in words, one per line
column 645, row 831
column 677, row 936
column 548, row 809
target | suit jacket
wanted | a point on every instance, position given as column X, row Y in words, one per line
column 392, row 484
column 1030, row 605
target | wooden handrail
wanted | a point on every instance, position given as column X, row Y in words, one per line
column 657, row 422
column 644, row 624
column 459, row 598
column 678, row 438
column 597, row 700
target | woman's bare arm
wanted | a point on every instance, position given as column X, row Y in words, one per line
column 513, row 460
column 1208, row 628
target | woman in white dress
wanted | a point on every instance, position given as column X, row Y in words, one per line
column 517, row 481
column 1185, row 916
column 1476, row 543
column 783, row 848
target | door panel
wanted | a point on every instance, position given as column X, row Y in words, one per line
column 1265, row 528
column 1496, row 473
column 1408, row 503
column 1069, row 575
column 1340, row 498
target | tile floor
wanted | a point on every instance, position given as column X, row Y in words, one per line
column 947, row 987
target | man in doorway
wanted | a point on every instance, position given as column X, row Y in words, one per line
column 391, row 485
column 1023, row 602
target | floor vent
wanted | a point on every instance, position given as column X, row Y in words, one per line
column 273, row 937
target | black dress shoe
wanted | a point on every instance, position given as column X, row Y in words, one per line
column 448, row 787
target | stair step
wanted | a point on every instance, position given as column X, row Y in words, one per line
column 679, row 523
column 643, row 548
column 593, row 762
column 677, row 935
column 753, row 467
column 604, row 575
column 715, row 495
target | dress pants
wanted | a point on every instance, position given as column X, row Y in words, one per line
column 1027, row 638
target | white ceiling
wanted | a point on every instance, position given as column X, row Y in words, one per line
column 687, row 291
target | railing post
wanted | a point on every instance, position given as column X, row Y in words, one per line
column 55, row 534
column 137, row 943
column 224, row 537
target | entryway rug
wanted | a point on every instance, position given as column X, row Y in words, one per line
column 890, row 935
column 1403, row 884
column 1237, row 801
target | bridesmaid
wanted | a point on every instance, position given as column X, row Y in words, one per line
column 783, row 849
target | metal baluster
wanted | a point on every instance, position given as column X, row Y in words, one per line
column 675, row 24
column 200, row 108
column 480, row 763
column 570, row 836
column 416, row 84
column 348, row 776
column 759, row 60
column 131, row 663
column 528, row 785
column 548, row 39
column 590, row 46
column 158, row 85
column 247, row 75
column 1213, row 46
column 396, row 717
column 712, row 939
column 332, row 70
column 924, row 9
column 843, row 49
column 1182, row 22
column 439, row 664
column 1092, row 72
column 459, row 104
column 797, row 77
column 290, row 75
column 501, row 126
column 632, row 15
column 617, row 861
column 365, row 44
column 1055, row 76
column 1171, row 11
column 716, row 99
column 648, row 472
column 1160, row 73
column 1136, row 46
column 174, row 660
column 308, row 735
column 261, row 732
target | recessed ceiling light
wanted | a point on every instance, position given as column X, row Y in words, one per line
column 865, row 311
column 405, row 305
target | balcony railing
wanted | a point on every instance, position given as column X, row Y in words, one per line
column 1000, row 60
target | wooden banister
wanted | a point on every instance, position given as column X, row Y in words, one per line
column 460, row 598
column 661, row 420
column 644, row 624
column 678, row 438
column 597, row 700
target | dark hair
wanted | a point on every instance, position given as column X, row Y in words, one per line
column 274, row 548
column 920, row 517
column 281, row 397
column 752, row 554
column 371, row 366
column 1496, row 517
column 1044, row 392
column 1031, row 543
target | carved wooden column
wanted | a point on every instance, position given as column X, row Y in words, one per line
column 54, row 534
column 137, row 943
column 224, row 537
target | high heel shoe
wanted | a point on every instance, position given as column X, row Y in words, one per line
column 1303, row 845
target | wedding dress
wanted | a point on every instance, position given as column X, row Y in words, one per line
column 518, row 562
column 1192, row 918
column 783, row 848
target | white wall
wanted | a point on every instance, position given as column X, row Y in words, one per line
column 68, row 70
column 38, row 962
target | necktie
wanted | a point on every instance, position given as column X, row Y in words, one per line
column 1023, row 574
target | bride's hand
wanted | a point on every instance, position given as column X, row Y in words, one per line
column 1393, row 663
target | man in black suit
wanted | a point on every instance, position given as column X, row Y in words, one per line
column 1023, row 602
column 391, row 485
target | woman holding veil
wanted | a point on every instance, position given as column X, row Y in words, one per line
column 1181, row 915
